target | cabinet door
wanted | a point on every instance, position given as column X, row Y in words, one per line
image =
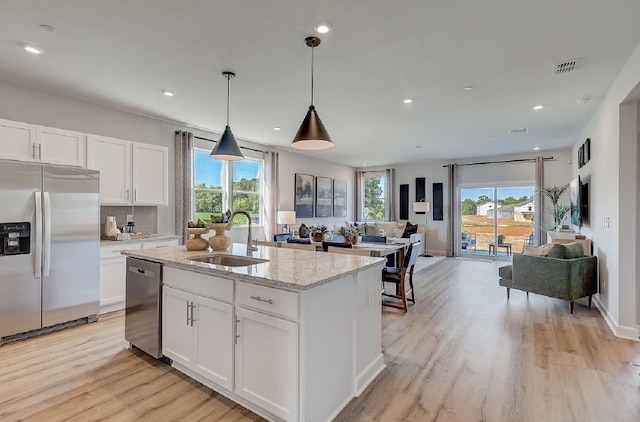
column 150, row 174
column 267, row 363
column 113, row 274
column 177, row 329
column 214, row 325
column 113, row 158
column 58, row 146
column 18, row 141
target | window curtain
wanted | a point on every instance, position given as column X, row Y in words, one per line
column 358, row 197
column 271, row 193
column 183, row 182
column 453, row 230
column 390, row 175
column 539, row 203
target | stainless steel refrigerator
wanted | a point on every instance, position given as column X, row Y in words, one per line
column 49, row 247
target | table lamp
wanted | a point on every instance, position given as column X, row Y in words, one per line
column 422, row 206
column 286, row 218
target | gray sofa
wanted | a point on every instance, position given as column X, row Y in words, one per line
column 565, row 273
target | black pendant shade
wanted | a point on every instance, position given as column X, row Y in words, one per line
column 312, row 134
column 227, row 148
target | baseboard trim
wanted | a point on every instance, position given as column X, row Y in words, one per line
column 621, row 331
column 369, row 374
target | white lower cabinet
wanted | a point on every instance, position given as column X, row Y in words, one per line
column 267, row 362
column 198, row 334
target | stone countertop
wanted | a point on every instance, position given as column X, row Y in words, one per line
column 149, row 238
column 287, row 268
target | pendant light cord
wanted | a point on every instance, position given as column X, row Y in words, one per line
column 312, row 48
column 228, row 90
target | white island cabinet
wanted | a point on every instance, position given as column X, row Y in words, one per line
column 292, row 339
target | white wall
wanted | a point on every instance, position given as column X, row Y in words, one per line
column 291, row 163
column 612, row 174
column 557, row 172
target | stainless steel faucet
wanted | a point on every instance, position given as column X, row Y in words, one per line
column 250, row 247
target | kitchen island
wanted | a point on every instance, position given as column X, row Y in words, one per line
column 293, row 337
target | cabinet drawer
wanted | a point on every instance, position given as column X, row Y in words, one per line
column 112, row 251
column 276, row 301
column 201, row 284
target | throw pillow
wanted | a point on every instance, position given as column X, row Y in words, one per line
column 386, row 226
column 536, row 251
column 303, row 231
column 397, row 232
column 573, row 250
column 409, row 230
column 556, row 251
column 370, row 230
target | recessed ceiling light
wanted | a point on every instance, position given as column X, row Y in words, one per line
column 31, row 49
column 168, row 93
column 536, row 148
column 582, row 101
column 322, row 28
column 364, row 164
column 538, row 107
column 468, row 88
column 407, row 101
column 418, row 146
column 277, row 128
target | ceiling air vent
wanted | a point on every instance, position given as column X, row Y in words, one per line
column 521, row 130
column 566, row 66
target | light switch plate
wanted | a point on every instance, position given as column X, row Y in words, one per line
column 129, row 218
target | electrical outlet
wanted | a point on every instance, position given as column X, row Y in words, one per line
column 129, row 218
column 603, row 284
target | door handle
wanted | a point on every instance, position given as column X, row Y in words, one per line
column 40, row 151
column 47, row 235
column 37, row 271
column 192, row 319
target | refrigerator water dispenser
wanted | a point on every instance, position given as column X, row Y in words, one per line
column 16, row 238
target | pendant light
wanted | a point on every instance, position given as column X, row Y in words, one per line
column 312, row 135
column 227, row 148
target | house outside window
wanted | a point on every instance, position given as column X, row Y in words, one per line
column 374, row 191
column 221, row 185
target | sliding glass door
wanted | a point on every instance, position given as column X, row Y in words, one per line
column 496, row 221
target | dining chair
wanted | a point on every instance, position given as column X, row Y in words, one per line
column 326, row 244
column 348, row 251
column 402, row 277
column 301, row 246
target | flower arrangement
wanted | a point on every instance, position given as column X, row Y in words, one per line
column 221, row 218
column 317, row 232
column 350, row 233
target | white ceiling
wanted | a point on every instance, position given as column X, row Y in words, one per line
column 123, row 53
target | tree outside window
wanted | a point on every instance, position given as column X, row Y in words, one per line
column 374, row 197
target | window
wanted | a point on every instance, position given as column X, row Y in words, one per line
column 221, row 185
column 374, row 191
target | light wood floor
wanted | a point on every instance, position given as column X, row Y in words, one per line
column 463, row 353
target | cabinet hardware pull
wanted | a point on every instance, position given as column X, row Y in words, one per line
column 188, row 313
column 237, row 335
column 40, row 151
column 127, row 194
column 33, row 152
column 259, row 299
column 135, row 194
column 192, row 306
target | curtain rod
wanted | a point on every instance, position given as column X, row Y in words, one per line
column 520, row 160
column 211, row 140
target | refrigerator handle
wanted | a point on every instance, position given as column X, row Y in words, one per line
column 35, row 233
column 47, row 235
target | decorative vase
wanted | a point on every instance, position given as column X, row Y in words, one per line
column 196, row 243
column 318, row 237
column 219, row 241
column 354, row 240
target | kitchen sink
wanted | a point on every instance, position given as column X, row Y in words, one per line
column 229, row 260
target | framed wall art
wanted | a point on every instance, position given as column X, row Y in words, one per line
column 339, row 198
column 304, row 195
column 324, row 196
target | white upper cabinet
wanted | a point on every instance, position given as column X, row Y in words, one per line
column 63, row 147
column 131, row 173
column 112, row 157
column 41, row 144
column 18, row 141
column 150, row 178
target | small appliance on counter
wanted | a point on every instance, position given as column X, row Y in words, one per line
column 110, row 227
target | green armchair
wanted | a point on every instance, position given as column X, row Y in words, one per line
column 564, row 274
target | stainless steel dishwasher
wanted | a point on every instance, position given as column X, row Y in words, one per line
column 143, row 317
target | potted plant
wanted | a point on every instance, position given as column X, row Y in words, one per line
column 196, row 243
column 558, row 211
column 220, row 223
column 350, row 234
column 317, row 232
column 500, row 239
